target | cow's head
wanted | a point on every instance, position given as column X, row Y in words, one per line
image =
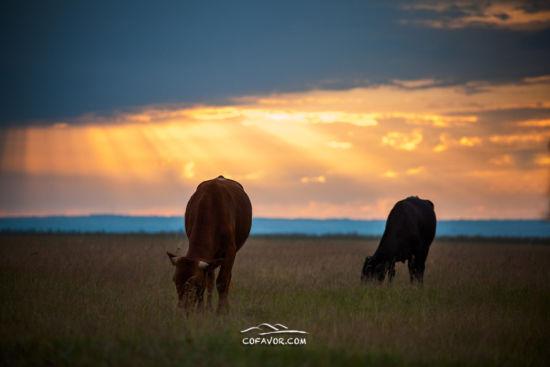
column 190, row 280
column 373, row 270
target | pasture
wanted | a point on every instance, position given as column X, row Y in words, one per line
column 106, row 300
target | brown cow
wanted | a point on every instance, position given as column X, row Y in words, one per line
column 218, row 218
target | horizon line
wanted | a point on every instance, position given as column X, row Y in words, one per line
column 172, row 216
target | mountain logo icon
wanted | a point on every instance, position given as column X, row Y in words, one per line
column 268, row 329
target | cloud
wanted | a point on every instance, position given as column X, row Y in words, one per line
column 535, row 123
column 310, row 117
column 403, row 141
column 316, row 179
column 437, row 120
column 412, row 84
column 189, row 170
column 444, row 142
column 246, row 177
column 542, row 160
column 502, row 160
column 513, row 15
column 307, row 154
column 511, row 139
column 256, row 51
column 339, row 144
column 537, row 79
column 415, row 170
column 470, row 141
column 390, row 174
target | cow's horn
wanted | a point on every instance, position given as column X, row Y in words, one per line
column 203, row 264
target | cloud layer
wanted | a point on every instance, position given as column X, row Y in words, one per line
column 67, row 59
column 477, row 152
column 504, row 14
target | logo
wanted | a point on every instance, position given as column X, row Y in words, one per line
column 278, row 334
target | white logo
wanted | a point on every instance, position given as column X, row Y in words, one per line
column 265, row 329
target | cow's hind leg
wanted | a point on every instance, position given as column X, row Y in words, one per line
column 223, row 281
column 419, row 274
column 411, row 266
column 391, row 271
column 420, row 262
column 200, row 300
column 416, row 269
column 210, row 275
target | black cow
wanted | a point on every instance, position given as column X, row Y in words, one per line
column 409, row 232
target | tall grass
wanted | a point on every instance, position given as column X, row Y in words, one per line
column 109, row 300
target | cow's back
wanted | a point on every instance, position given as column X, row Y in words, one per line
column 423, row 214
column 411, row 221
column 218, row 209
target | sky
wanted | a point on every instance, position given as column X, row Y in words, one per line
column 321, row 109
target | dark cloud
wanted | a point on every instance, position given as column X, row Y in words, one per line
column 509, row 116
column 518, row 15
column 63, row 58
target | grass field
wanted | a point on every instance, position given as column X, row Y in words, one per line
column 106, row 300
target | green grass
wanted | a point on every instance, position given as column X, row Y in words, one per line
column 105, row 300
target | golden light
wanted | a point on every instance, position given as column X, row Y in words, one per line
column 319, row 153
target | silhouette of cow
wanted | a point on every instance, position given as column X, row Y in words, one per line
column 409, row 232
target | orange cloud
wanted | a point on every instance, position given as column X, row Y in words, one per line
column 316, row 179
column 415, row 170
column 444, row 142
column 470, row 141
column 339, row 144
column 519, row 138
column 403, row 141
column 316, row 154
column 506, row 16
column 535, row 123
column 509, row 15
column 390, row 174
column 502, row 160
column 418, row 83
column 542, row 160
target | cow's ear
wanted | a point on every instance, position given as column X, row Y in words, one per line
column 173, row 258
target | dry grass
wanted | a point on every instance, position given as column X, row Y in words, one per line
column 109, row 300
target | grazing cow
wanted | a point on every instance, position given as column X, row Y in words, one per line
column 218, row 218
column 409, row 232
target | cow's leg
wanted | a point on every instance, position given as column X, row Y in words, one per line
column 420, row 272
column 420, row 262
column 411, row 266
column 200, row 300
column 391, row 271
column 416, row 268
column 210, row 275
column 223, row 281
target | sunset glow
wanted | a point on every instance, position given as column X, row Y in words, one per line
column 349, row 153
